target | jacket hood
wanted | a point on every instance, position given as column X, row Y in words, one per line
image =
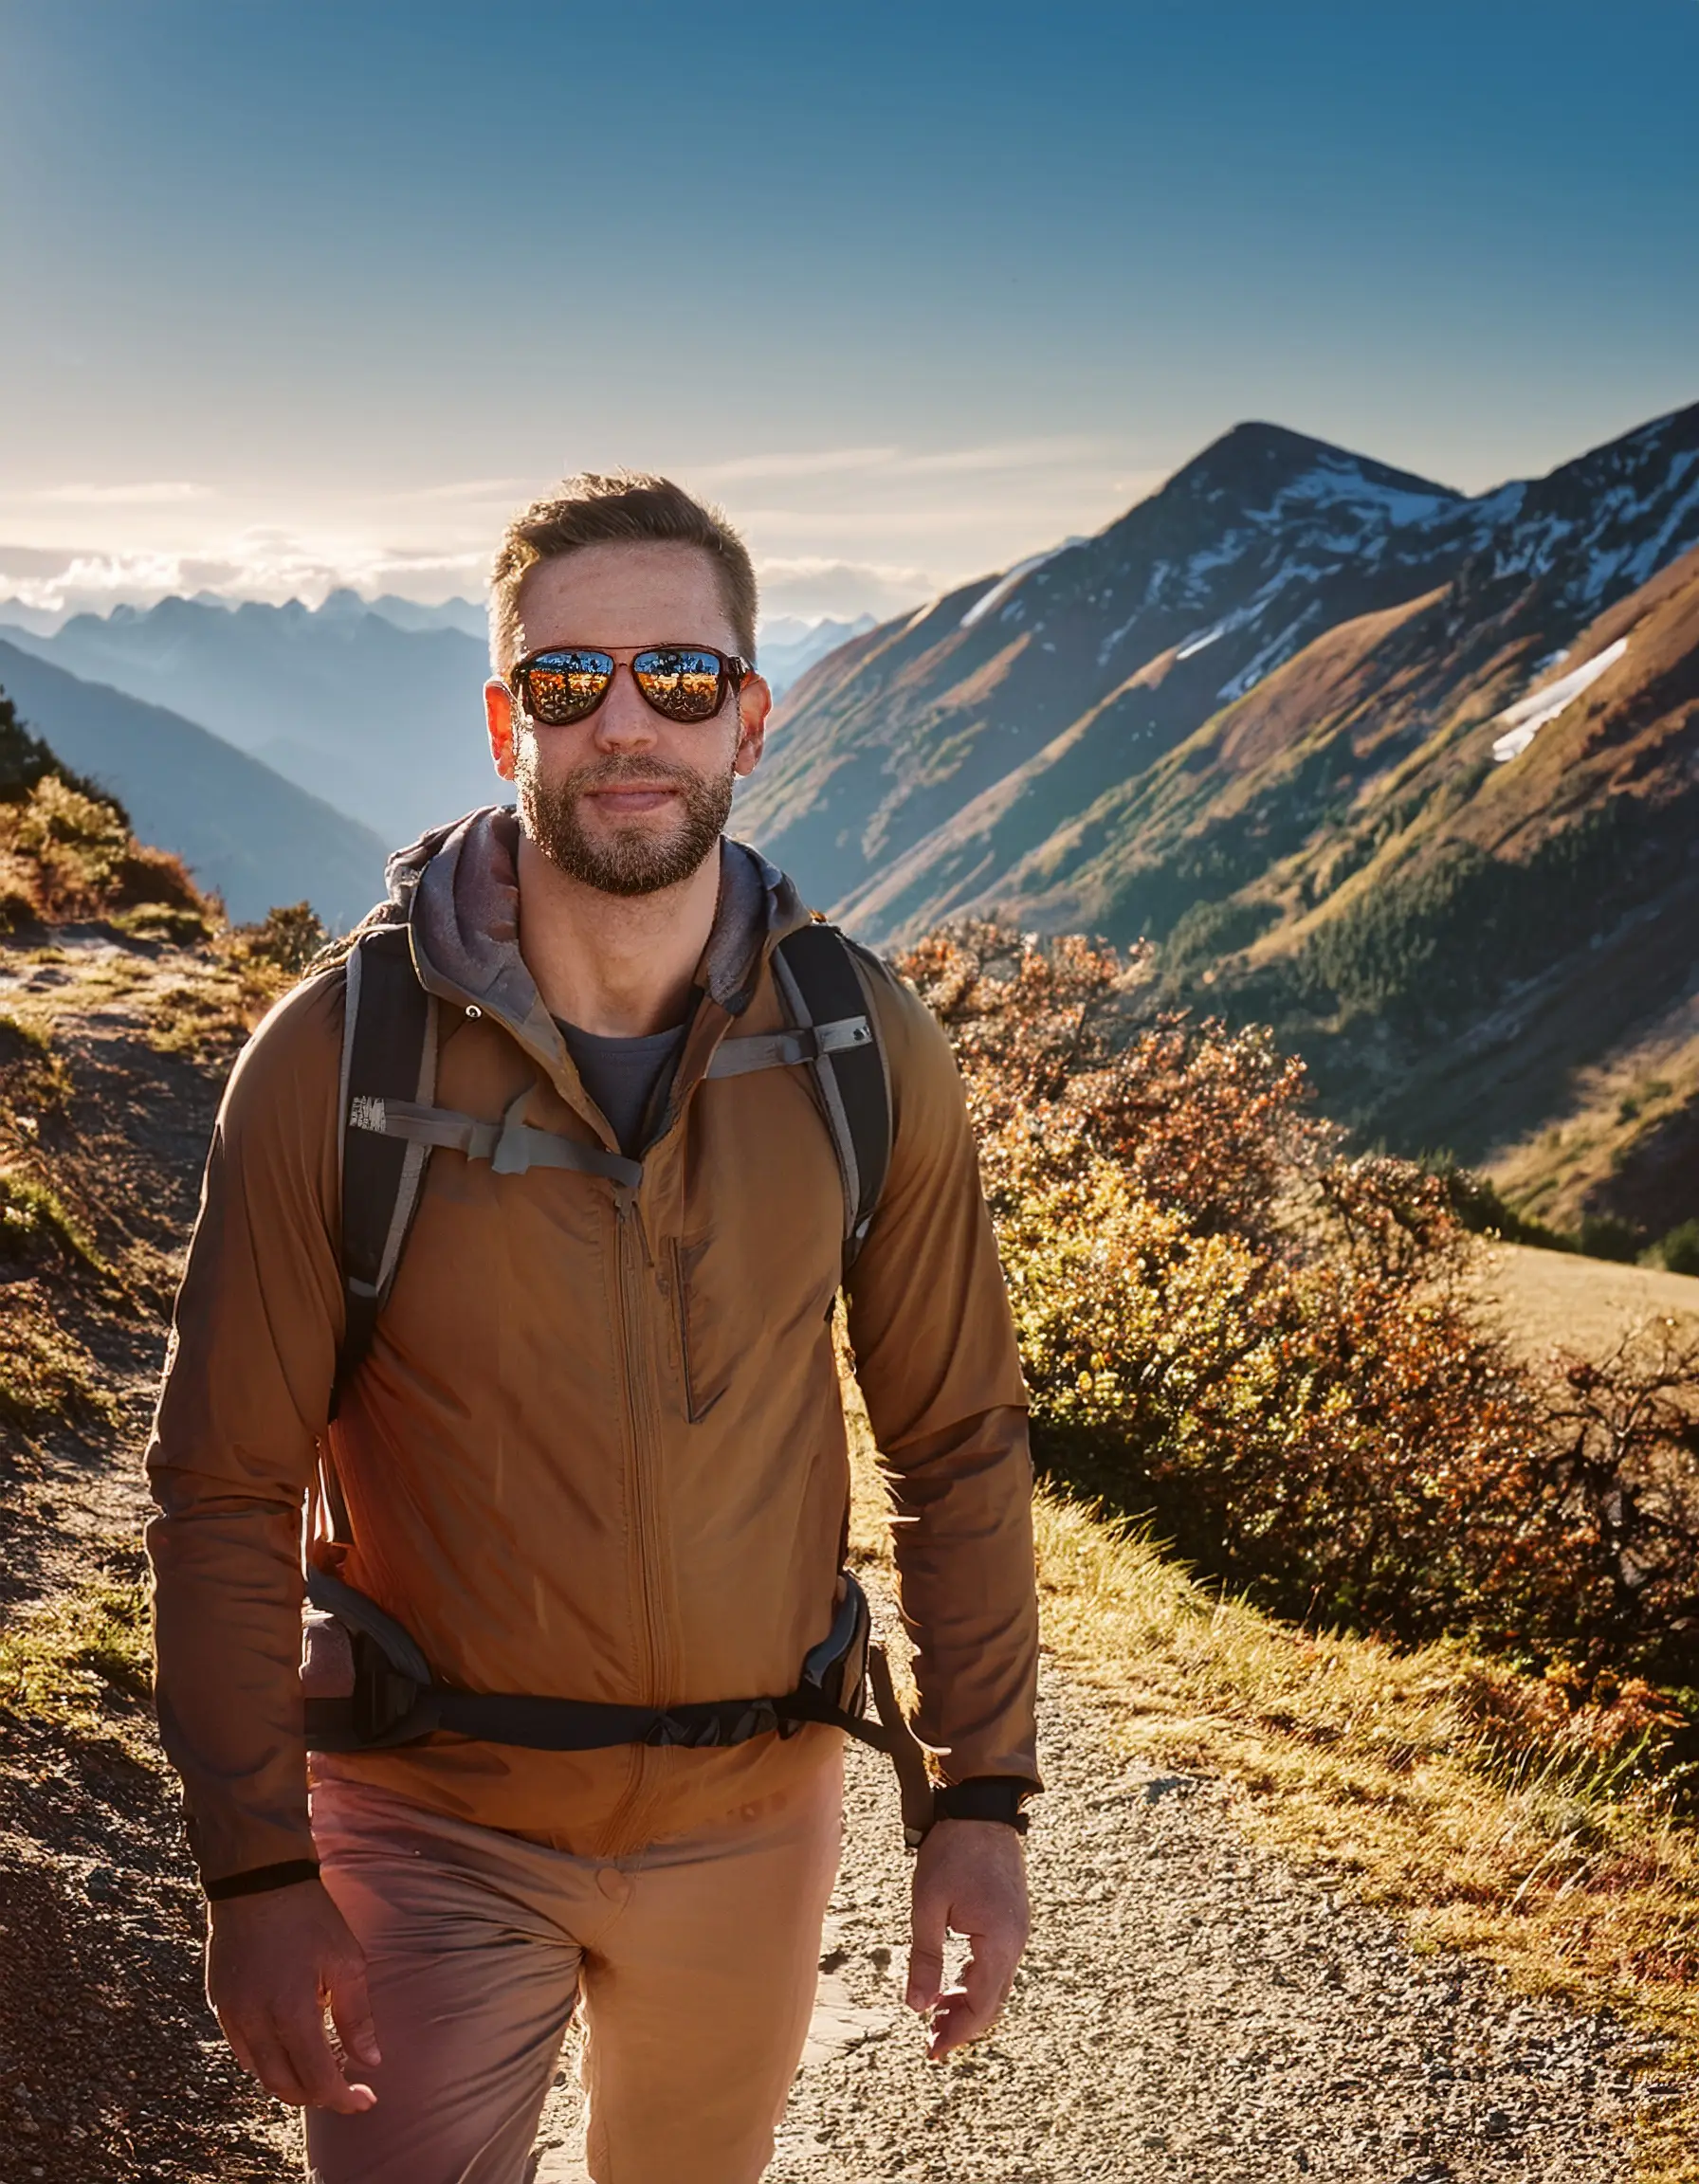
column 457, row 887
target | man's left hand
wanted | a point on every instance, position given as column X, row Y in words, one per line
column 970, row 1878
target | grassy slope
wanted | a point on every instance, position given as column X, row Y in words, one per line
column 1469, row 954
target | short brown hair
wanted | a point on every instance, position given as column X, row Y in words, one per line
column 629, row 507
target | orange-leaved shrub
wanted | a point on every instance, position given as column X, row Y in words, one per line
column 1227, row 1319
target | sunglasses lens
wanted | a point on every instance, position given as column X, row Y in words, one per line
column 684, row 684
column 561, row 687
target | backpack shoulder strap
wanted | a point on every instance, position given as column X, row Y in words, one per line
column 821, row 983
column 389, row 1052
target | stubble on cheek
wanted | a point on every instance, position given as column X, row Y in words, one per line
column 633, row 859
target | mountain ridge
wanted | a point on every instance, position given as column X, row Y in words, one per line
column 1344, row 745
column 383, row 723
column 1176, row 608
column 245, row 832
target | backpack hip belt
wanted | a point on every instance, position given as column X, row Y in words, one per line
column 393, row 1699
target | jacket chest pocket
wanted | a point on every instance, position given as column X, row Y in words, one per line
column 751, row 1316
column 704, row 1366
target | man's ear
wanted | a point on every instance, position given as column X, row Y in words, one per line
column 498, row 713
column 755, row 701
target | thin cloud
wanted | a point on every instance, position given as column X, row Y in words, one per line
column 158, row 493
column 903, row 462
column 472, row 490
column 265, row 564
column 816, row 462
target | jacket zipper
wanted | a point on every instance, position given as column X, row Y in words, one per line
column 644, row 1428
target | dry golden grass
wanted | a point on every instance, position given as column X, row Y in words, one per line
column 1375, row 1762
column 1558, row 1300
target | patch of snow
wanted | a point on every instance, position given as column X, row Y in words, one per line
column 987, row 602
column 1329, row 484
column 1523, row 720
column 1275, row 653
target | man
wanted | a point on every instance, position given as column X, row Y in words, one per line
column 595, row 1450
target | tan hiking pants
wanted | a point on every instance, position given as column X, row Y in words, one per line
column 694, row 1962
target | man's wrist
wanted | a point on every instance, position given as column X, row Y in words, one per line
column 260, row 1879
column 996, row 1797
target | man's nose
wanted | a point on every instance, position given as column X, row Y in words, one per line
column 623, row 720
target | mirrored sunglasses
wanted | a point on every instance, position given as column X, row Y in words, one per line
column 681, row 682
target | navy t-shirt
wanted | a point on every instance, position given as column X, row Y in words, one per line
column 621, row 1075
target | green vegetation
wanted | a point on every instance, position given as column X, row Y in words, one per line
column 47, row 1379
column 35, row 1225
column 66, row 849
column 1430, row 946
column 68, row 1663
column 288, row 939
column 177, row 923
column 1679, row 1250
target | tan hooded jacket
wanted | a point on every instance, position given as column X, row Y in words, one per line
column 591, row 1454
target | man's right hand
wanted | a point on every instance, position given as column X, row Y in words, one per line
column 275, row 1963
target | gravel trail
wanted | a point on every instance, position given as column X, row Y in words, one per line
column 1192, row 2008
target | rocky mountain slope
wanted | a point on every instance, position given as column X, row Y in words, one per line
column 383, row 722
column 1256, row 719
column 243, row 830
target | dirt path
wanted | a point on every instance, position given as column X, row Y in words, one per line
column 1190, row 2008
column 110, row 2069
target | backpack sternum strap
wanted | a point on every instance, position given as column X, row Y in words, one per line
column 510, row 1146
column 785, row 1049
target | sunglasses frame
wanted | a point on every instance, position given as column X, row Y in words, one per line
column 734, row 672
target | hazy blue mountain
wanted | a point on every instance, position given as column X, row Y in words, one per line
column 37, row 621
column 385, row 724
column 466, row 615
column 241, row 829
column 787, row 647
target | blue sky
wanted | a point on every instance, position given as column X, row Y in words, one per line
column 307, row 289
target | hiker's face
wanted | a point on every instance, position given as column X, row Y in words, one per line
column 627, row 801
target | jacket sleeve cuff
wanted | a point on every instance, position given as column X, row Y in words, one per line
column 985, row 1798
column 258, row 1879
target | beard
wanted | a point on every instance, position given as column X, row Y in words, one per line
column 630, row 860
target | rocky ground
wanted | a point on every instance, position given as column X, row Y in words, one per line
column 1192, row 2008
column 110, row 2069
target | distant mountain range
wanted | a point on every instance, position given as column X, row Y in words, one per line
column 384, row 722
column 242, row 829
column 375, row 707
column 1299, row 719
